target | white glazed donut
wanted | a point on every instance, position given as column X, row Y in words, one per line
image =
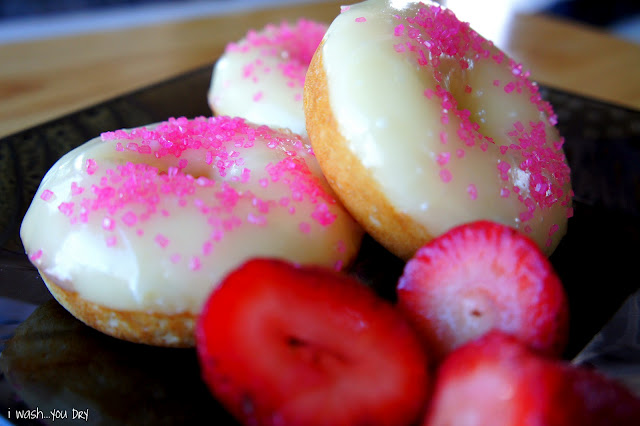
column 132, row 230
column 420, row 124
column 261, row 77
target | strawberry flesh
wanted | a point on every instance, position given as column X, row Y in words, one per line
column 281, row 344
column 498, row 380
column 482, row 276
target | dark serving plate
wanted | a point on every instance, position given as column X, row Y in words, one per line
column 51, row 363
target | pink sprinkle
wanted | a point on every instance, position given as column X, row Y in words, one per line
column 338, row 265
column 66, row 208
column 130, row 218
column 46, row 195
column 400, row 48
column 182, row 164
column 161, row 240
column 472, row 191
column 503, row 149
column 344, row 8
column 569, row 212
column 428, row 93
column 443, row 158
column 528, row 229
column 398, row 30
column 92, row 167
column 467, row 89
column 257, row 96
column 443, row 137
column 460, row 152
column 304, row 227
column 194, row 263
column 108, row 224
column 36, row 256
column 510, row 87
column 504, row 192
column 119, row 147
column 496, row 83
column 361, row 19
column 207, row 248
column 175, row 258
column 549, row 242
column 75, row 189
column 554, row 228
column 445, row 175
column 256, row 219
column 111, row 241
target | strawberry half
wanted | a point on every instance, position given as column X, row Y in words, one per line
column 280, row 344
column 482, row 276
column 498, row 380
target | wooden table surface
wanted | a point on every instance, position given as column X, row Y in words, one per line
column 44, row 79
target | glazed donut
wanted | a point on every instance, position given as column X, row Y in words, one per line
column 421, row 124
column 261, row 77
column 132, row 230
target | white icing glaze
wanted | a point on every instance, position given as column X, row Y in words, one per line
column 261, row 77
column 377, row 94
column 162, row 243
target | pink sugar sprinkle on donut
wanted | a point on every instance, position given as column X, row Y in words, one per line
column 504, row 192
column 443, row 158
column 257, row 96
column 92, row 167
column 569, row 212
column 361, row 19
column 344, row 8
column 472, row 191
column 509, row 87
column 399, row 47
column 528, row 229
column 553, row 229
column 161, row 240
column 46, row 195
column 194, row 263
column 467, row 88
column 496, row 83
column 175, row 258
column 304, row 227
column 111, row 240
column 445, row 175
column 460, row 153
column 444, row 137
column 119, row 147
column 36, row 256
column 207, row 248
column 75, row 189
column 338, row 265
column 503, row 149
column 108, row 224
column 66, row 208
column 549, row 242
column 130, row 218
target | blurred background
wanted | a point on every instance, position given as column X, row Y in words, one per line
column 33, row 19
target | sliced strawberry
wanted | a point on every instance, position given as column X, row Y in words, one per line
column 498, row 380
column 482, row 276
column 280, row 344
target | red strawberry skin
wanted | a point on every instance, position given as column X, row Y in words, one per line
column 498, row 380
column 482, row 276
column 280, row 344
